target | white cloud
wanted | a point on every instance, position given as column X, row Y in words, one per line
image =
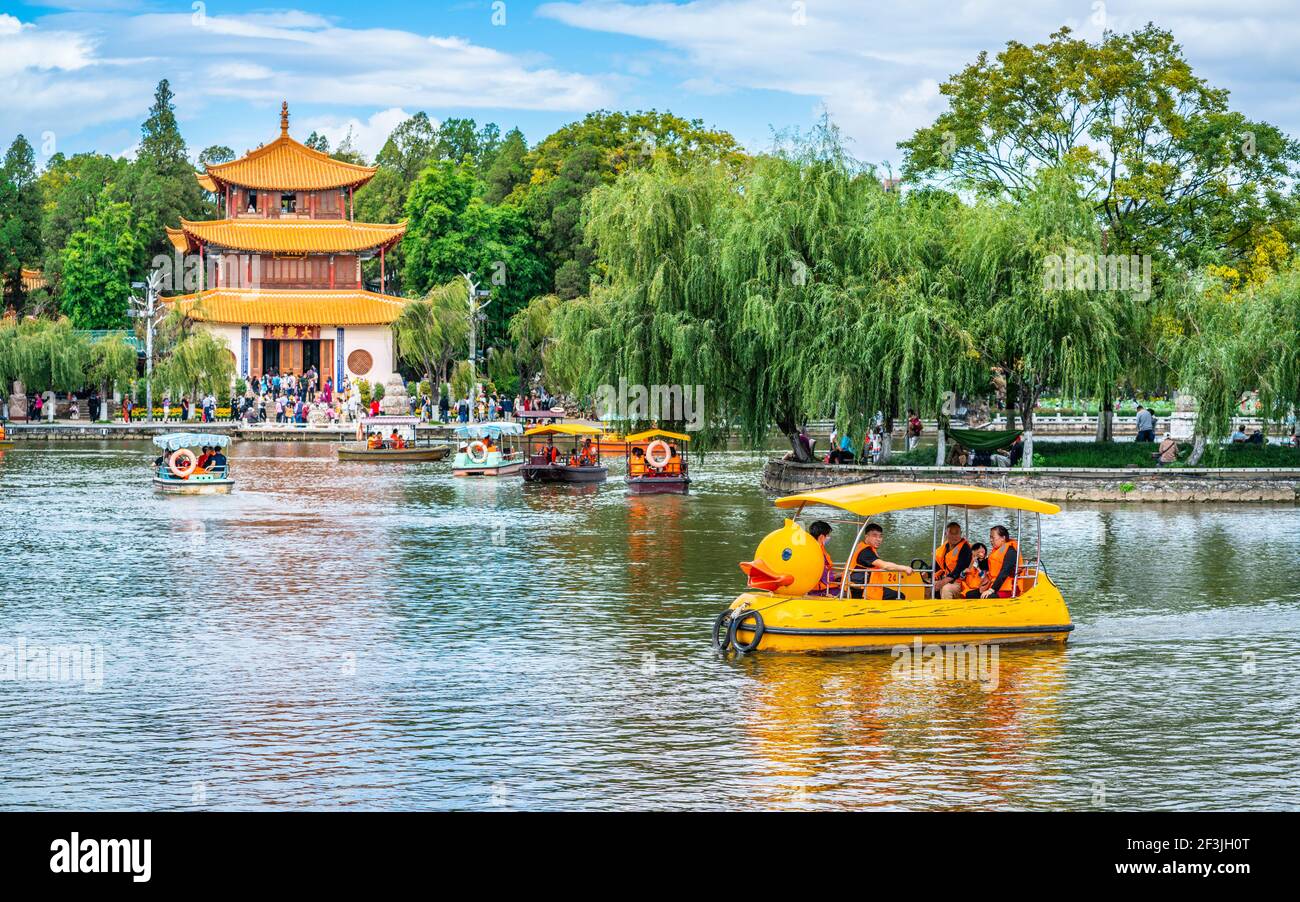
column 75, row 70
column 876, row 67
column 368, row 136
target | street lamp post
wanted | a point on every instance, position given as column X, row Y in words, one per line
column 147, row 309
column 476, row 295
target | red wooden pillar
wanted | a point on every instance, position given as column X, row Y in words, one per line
column 203, row 268
column 351, row 207
column 382, row 280
column 331, row 271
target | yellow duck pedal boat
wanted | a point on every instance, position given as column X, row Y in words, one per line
column 800, row 601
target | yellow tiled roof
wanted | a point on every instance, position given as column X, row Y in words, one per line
column 206, row 182
column 287, row 165
column 268, row 236
column 287, row 307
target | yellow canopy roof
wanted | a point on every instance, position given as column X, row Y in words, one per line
column 565, row 429
column 652, row 433
column 882, row 497
column 287, row 165
column 206, row 182
column 287, row 307
column 269, row 236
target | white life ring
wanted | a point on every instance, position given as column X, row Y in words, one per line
column 478, row 452
column 655, row 448
column 182, row 463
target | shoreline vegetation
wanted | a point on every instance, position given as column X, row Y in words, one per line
column 1033, row 251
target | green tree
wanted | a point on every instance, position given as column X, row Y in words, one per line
column 452, row 230
column 111, row 365
column 160, row 183
column 1168, row 166
column 74, row 189
column 196, row 364
column 97, row 266
column 20, row 217
column 44, row 354
column 434, row 330
column 217, row 153
column 508, row 169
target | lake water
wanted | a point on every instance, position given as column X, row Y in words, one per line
column 388, row 637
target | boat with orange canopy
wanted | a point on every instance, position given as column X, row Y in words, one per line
column 654, row 463
column 563, row 452
column 789, row 608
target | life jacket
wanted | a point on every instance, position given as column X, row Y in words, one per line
column 996, row 556
column 875, row 577
column 970, row 582
column 945, row 558
column 828, row 572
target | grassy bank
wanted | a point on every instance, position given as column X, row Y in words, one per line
column 1130, row 454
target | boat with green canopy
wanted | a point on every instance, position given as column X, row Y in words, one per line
column 192, row 463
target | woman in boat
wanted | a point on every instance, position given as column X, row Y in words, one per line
column 1003, row 561
column 395, row 441
column 829, row 583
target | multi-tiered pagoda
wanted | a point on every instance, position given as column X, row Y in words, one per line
column 281, row 271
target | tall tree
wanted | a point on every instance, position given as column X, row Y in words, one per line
column 20, row 217
column 1168, row 166
column 432, row 331
column 97, row 266
column 508, row 169
column 160, row 184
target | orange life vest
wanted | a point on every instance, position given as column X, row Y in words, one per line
column 876, row 576
column 974, row 576
column 945, row 558
column 996, row 556
column 827, row 581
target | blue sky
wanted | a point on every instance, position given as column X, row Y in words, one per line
column 79, row 74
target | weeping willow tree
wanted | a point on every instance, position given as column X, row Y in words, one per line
column 530, row 331
column 1222, row 345
column 1041, row 313
column 112, row 366
column 905, row 343
column 198, row 363
column 432, row 331
column 660, row 313
column 43, row 354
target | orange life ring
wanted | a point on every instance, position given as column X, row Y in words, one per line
column 479, row 456
column 182, row 463
column 651, row 457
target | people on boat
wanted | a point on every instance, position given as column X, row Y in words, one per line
column 867, row 560
column 587, row 457
column 217, row 463
column 637, row 465
column 375, row 441
column 205, row 458
column 972, row 578
column 395, row 441
column 1004, row 559
column 951, row 558
column 829, row 583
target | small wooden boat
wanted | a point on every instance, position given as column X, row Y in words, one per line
column 877, row 609
column 574, row 458
column 177, row 470
column 5, row 441
column 654, row 466
column 484, row 450
column 391, row 439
